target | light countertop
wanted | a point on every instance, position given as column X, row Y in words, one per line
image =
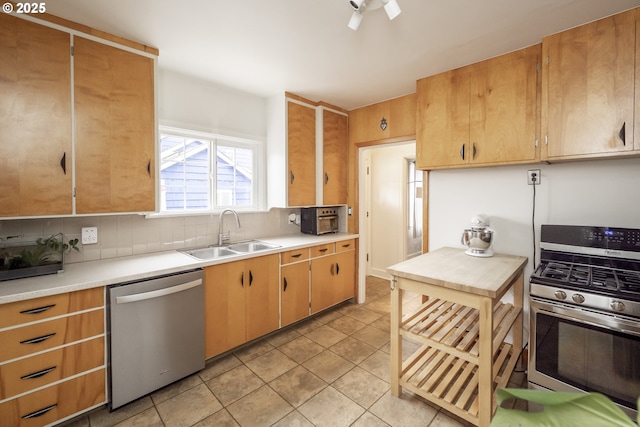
column 453, row 269
column 91, row 274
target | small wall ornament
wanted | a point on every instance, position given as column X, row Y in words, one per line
column 383, row 124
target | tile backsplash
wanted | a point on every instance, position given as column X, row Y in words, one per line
column 124, row 235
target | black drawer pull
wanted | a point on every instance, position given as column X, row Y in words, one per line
column 37, row 310
column 285, row 284
column 337, row 268
column 347, row 245
column 296, row 256
column 323, row 250
column 39, row 412
column 38, row 374
column 37, row 340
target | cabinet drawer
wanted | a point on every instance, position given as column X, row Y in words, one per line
column 45, row 335
column 346, row 245
column 294, row 256
column 36, row 371
column 320, row 250
column 53, row 403
column 31, row 310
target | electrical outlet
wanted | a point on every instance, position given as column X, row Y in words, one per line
column 533, row 177
column 89, row 235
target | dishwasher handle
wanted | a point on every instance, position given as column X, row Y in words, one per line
column 158, row 293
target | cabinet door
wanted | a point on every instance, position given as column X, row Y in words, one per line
column 35, row 119
column 345, row 275
column 261, row 300
column 442, row 122
column 294, row 292
column 588, row 88
column 114, row 129
column 322, row 286
column 224, row 307
column 335, row 158
column 503, row 108
column 364, row 123
column 301, row 153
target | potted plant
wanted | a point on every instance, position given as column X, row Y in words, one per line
column 19, row 258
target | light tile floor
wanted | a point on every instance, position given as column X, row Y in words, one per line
column 330, row 370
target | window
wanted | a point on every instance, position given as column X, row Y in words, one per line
column 205, row 172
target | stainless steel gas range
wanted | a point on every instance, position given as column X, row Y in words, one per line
column 585, row 313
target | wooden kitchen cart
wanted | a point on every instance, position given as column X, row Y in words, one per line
column 460, row 329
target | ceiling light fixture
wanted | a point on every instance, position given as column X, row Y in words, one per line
column 391, row 7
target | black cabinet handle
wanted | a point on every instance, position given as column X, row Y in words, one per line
column 39, row 412
column 337, row 268
column 462, row 151
column 291, row 177
column 285, row 284
column 326, row 178
column 323, row 250
column 38, row 374
column 333, row 269
column 63, row 163
column 250, row 278
column 149, row 167
column 622, row 134
column 296, row 256
column 346, row 245
column 242, row 279
column 473, row 153
column 37, row 310
column 37, row 340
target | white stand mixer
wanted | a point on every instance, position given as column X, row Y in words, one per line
column 478, row 238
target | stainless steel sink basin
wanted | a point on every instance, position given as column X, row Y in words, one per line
column 210, row 253
column 251, row 246
column 213, row 252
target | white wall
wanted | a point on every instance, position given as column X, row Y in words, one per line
column 187, row 102
column 599, row 192
column 388, row 205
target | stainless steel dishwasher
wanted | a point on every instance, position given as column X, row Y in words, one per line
column 156, row 334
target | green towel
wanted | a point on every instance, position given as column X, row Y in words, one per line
column 560, row 409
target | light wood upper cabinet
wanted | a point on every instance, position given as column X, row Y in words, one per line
column 307, row 152
column 392, row 119
column 335, row 157
column 588, row 89
column 35, row 119
column 114, row 129
column 301, row 150
column 442, row 124
column 482, row 114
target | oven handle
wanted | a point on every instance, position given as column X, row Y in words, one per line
column 562, row 312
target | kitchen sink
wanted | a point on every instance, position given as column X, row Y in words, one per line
column 251, row 246
column 210, row 253
column 213, row 252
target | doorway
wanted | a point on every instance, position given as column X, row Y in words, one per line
column 389, row 229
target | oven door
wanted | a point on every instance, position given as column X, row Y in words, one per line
column 573, row 349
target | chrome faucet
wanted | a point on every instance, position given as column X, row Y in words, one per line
column 221, row 236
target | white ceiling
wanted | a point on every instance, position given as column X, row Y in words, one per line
column 266, row 47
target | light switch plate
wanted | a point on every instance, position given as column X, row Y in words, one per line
column 89, row 235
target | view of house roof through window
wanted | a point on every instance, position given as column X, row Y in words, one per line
column 206, row 174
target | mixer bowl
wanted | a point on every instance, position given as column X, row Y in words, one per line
column 478, row 241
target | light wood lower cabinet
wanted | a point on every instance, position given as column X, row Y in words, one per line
column 52, row 358
column 333, row 277
column 241, row 302
column 294, row 292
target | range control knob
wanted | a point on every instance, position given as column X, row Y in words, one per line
column 561, row 294
column 617, row 305
column 577, row 298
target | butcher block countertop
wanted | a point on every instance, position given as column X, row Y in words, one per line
column 453, row 269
